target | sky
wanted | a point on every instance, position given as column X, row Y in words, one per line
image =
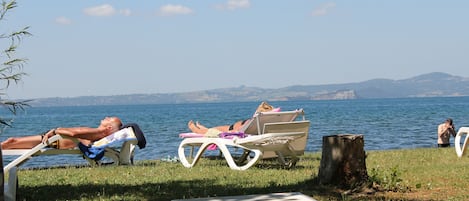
column 101, row 48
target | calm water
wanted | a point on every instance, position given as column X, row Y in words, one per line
column 385, row 123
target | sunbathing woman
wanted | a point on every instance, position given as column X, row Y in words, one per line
column 85, row 135
column 201, row 129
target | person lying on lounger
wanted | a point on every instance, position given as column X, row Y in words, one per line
column 196, row 127
column 85, row 135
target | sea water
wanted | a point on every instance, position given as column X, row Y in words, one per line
column 385, row 123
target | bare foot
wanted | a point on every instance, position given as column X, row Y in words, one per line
column 200, row 125
column 194, row 128
column 192, row 125
column 7, row 142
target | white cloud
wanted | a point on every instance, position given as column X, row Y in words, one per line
column 170, row 10
column 106, row 10
column 234, row 4
column 125, row 12
column 102, row 10
column 323, row 9
column 63, row 20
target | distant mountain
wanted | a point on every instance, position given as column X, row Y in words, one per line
column 428, row 85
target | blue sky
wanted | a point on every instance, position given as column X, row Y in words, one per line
column 82, row 48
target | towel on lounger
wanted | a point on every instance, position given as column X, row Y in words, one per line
column 96, row 150
column 120, row 136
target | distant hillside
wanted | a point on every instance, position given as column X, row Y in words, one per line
column 427, row 85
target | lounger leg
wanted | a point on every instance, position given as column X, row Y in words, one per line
column 222, row 145
column 244, row 157
column 287, row 151
column 231, row 162
column 457, row 141
column 192, row 152
column 294, row 157
column 125, row 156
column 92, row 162
column 11, row 186
column 183, row 158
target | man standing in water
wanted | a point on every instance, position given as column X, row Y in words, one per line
column 445, row 130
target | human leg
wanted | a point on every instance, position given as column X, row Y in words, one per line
column 223, row 128
column 195, row 129
column 26, row 142
column 201, row 129
column 231, row 128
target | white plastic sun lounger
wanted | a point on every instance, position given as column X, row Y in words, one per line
column 120, row 151
column 460, row 151
column 255, row 126
column 278, row 142
column 130, row 136
column 271, row 134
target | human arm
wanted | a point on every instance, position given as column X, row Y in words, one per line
column 81, row 133
column 87, row 133
column 446, row 128
column 452, row 130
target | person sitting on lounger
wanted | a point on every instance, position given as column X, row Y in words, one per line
column 85, row 135
column 201, row 129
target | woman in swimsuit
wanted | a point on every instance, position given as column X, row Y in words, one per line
column 201, row 129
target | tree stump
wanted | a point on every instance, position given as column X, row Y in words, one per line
column 343, row 161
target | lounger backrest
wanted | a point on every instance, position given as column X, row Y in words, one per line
column 256, row 124
column 299, row 144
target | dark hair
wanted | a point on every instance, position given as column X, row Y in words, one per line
column 450, row 121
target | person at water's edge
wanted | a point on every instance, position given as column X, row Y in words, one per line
column 445, row 131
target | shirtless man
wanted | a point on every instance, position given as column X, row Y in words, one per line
column 445, row 130
column 85, row 135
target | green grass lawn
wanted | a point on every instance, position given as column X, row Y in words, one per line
column 416, row 174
